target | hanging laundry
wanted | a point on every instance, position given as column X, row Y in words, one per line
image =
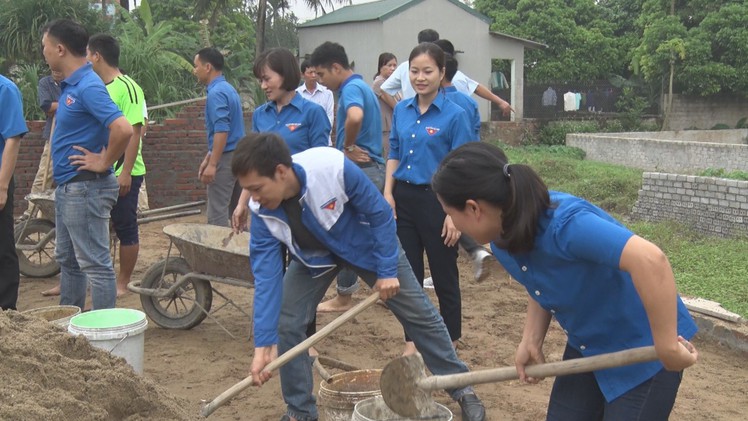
column 549, row 98
column 570, row 101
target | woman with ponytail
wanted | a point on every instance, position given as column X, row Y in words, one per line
column 608, row 288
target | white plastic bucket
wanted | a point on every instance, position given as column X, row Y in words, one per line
column 374, row 409
column 118, row 331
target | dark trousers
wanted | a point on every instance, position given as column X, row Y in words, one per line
column 420, row 219
column 577, row 397
column 470, row 245
column 9, row 273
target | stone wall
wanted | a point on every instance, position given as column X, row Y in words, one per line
column 660, row 155
column 712, row 206
column 705, row 112
column 733, row 136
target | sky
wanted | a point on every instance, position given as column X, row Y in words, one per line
column 304, row 14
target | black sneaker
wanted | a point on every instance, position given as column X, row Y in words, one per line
column 472, row 408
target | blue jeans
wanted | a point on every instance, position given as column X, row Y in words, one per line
column 347, row 279
column 578, row 398
column 82, row 220
column 411, row 306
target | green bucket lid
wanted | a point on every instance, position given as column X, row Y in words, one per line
column 107, row 318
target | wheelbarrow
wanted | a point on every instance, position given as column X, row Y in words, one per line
column 35, row 237
column 177, row 292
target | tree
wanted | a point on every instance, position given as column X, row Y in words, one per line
column 22, row 20
column 581, row 42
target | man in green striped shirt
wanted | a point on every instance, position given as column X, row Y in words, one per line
column 103, row 53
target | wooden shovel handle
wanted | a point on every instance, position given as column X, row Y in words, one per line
column 292, row 353
column 561, row 368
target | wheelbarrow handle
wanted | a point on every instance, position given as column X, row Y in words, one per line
column 292, row 353
column 561, row 368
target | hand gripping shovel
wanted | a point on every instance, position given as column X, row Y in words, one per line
column 292, row 353
column 407, row 390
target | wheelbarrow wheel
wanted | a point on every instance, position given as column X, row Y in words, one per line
column 180, row 310
column 36, row 263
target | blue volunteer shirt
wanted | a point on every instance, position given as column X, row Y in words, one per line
column 223, row 113
column 302, row 124
column 573, row 273
column 469, row 105
column 12, row 123
column 354, row 92
column 84, row 113
column 421, row 141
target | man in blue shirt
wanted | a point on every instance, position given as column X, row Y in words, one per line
column 224, row 123
column 90, row 134
column 358, row 135
column 330, row 216
column 12, row 128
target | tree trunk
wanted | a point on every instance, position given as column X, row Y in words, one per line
column 125, row 4
column 260, row 36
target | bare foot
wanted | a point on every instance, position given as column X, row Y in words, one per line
column 338, row 304
column 122, row 292
column 52, row 292
column 313, row 352
column 410, row 349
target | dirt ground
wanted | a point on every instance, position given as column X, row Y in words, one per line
column 203, row 362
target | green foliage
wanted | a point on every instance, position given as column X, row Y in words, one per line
column 26, row 77
column 721, row 173
column 22, row 20
column 148, row 56
column 707, row 267
column 612, row 187
column 554, row 133
column 631, row 106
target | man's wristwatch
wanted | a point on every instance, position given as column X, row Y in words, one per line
column 350, row 148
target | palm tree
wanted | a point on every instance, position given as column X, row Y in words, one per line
column 262, row 6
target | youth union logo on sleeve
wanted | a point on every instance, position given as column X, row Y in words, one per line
column 69, row 100
column 432, row 130
column 293, row 126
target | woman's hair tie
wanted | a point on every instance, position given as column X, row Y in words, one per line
column 506, row 171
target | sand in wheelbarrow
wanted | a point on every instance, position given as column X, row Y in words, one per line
column 50, row 375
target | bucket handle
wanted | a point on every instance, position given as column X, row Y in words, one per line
column 127, row 335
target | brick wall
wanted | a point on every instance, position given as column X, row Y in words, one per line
column 705, row 112
column 172, row 152
column 661, row 155
column 712, row 206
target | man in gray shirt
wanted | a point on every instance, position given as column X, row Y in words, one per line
column 48, row 92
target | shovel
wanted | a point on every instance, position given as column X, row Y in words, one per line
column 292, row 353
column 407, row 390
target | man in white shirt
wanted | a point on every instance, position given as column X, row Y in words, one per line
column 315, row 92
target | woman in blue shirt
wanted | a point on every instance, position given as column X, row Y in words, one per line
column 609, row 289
column 424, row 129
column 303, row 124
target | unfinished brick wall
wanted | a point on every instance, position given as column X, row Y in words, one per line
column 172, row 152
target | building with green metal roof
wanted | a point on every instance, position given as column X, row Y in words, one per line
column 366, row 30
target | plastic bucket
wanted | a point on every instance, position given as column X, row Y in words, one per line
column 337, row 398
column 57, row 315
column 118, row 331
column 374, row 409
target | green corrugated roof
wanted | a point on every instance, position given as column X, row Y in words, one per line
column 378, row 10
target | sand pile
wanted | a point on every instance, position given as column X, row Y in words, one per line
column 47, row 374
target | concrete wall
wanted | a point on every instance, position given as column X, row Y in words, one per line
column 712, row 206
column 364, row 41
column 705, row 112
column 734, row 136
column 661, row 155
column 172, row 152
